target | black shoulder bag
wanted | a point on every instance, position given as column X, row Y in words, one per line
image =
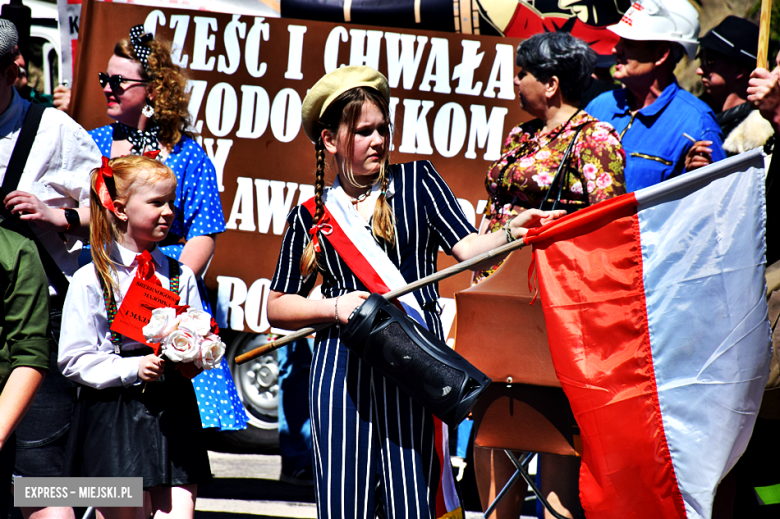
column 13, row 174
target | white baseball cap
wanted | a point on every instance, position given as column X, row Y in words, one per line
column 661, row 20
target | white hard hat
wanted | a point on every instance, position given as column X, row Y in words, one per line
column 661, row 20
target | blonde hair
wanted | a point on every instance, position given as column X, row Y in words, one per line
column 168, row 83
column 129, row 173
column 343, row 114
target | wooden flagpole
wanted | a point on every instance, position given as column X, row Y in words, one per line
column 393, row 294
column 763, row 34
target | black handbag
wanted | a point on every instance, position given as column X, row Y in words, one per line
column 417, row 361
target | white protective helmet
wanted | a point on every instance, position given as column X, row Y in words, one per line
column 661, row 20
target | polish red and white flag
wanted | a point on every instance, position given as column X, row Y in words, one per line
column 655, row 304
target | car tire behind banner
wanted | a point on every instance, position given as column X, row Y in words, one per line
column 258, row 387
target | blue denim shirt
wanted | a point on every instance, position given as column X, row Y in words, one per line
column 653, row 137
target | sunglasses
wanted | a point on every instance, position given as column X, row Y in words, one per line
column 116, row 81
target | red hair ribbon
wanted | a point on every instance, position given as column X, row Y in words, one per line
column 320, row 226
column 151, row 154
column 103, row 173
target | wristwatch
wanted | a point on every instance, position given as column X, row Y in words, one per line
column 72, row 216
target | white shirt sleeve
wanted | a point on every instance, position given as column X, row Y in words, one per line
column 86, row 354
column 57, row 172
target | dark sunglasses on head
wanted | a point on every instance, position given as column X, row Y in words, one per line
column 116, row 80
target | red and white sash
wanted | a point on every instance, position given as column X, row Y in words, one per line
column 347, row 233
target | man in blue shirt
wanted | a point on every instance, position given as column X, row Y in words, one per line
column 652, row 113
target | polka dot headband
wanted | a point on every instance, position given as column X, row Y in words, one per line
column 139, row 39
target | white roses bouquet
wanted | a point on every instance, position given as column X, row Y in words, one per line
column 186, row 335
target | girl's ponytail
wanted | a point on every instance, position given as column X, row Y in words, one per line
column 309, row 258
column 102, row 232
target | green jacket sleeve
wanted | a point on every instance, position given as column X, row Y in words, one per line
column 25, row 315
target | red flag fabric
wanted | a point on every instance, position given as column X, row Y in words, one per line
column 655, row 306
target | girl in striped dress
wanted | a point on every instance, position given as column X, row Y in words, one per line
column 376, row 221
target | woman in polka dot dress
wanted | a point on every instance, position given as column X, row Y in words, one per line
column 145, row 96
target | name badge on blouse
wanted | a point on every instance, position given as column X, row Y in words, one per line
column 142, row 297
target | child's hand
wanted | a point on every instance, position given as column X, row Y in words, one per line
column 347, row 304
column 151, row 368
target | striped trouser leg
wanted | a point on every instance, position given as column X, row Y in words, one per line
column 360, row 419
column 409, row 465
column 345, row 450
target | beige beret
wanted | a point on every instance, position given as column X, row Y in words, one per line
column 332, row 85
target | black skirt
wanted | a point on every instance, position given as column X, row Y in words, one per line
column 155, row 434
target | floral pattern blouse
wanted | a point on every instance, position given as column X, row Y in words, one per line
column 520, row 178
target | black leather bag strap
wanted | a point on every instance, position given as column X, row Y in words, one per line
column 23, row 146
column 13, row 174
column 558, row 179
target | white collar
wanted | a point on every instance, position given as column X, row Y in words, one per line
column 127, row 257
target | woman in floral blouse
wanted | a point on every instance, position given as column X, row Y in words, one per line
column 555, row 68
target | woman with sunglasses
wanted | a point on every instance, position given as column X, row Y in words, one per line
column 145, row 97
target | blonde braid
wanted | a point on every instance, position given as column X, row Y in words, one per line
column 309, row 257
column 384, row 220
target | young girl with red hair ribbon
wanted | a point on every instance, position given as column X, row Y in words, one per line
column 136, row 415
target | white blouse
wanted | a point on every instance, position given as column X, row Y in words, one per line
column 86, row 353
